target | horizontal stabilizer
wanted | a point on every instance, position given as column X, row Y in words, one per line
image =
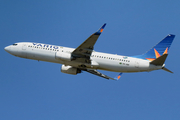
column 160, row 60
column 167, row 70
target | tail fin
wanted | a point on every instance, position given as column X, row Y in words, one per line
column 160, row 49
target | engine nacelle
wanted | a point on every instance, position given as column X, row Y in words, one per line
column 70, row 70
column 63, row 56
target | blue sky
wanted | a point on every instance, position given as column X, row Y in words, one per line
column 33, row 90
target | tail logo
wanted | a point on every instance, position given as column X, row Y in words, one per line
column 157, row 54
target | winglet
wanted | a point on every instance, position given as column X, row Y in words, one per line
column 100, row 30
column 119, row 76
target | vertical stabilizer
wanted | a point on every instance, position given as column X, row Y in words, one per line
column 159, row 49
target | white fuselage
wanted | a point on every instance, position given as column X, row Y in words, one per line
column 99, row 60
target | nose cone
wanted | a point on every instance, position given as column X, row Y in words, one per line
column 7, row 49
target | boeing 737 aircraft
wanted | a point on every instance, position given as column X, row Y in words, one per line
column 84, row 58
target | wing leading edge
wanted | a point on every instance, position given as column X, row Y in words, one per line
column 86, row 48
column 83, row 52
column 95, row 72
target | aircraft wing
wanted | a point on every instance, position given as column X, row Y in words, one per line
column 95, row 72
column 83, row 52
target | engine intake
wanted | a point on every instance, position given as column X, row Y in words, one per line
column 70, row 70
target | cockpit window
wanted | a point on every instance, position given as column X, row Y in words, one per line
column 15, row 44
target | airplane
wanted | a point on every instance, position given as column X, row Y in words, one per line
column 84, row 58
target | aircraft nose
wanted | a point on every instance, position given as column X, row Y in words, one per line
column 7, row 49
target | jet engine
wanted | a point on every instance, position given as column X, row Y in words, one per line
column 63, row 56
column 70, row 70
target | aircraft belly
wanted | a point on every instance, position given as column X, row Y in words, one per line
column 42, row 56
column 112, row 66
column 139, row 66
column 117, row 66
